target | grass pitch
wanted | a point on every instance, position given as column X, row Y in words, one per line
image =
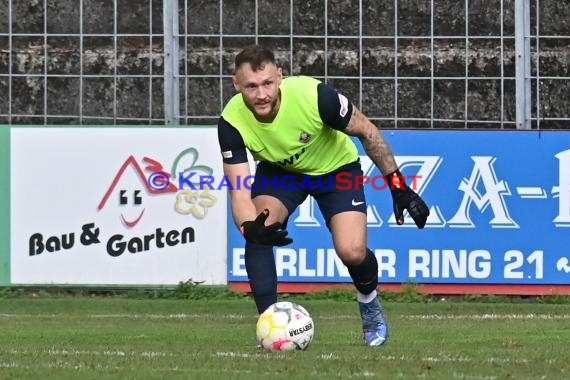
column 122, row 338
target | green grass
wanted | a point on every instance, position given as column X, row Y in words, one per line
column 126, row 337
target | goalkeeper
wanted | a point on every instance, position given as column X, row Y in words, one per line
column 298, row 128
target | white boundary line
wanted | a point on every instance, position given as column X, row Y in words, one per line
column 485, row 316
column 445, row 317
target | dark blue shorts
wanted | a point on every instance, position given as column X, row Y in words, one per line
column 334, row 192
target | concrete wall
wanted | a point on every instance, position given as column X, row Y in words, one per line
column 69, row 96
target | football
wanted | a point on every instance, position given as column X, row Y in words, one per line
column 285, row 326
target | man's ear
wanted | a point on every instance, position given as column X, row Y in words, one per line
column 279, row 75
column 235, row 83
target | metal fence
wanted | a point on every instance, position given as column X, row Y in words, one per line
column 405, row 63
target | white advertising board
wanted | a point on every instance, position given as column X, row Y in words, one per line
column 92, row 206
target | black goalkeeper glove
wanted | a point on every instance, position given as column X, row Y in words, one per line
column 406, row 199
column 255, row 231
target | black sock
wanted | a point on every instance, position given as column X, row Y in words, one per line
column 365, row 275
column 260, row 267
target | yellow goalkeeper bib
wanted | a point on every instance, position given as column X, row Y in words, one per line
column 297, row 139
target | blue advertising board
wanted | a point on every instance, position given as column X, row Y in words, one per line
column 500, row 214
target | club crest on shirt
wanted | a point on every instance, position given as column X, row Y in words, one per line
column 304, row 137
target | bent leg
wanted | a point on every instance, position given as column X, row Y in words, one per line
column 350, row 246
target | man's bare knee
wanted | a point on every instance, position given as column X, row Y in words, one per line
column 351, row 254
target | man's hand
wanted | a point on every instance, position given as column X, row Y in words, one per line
column 255, row 231
column 407, row 199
